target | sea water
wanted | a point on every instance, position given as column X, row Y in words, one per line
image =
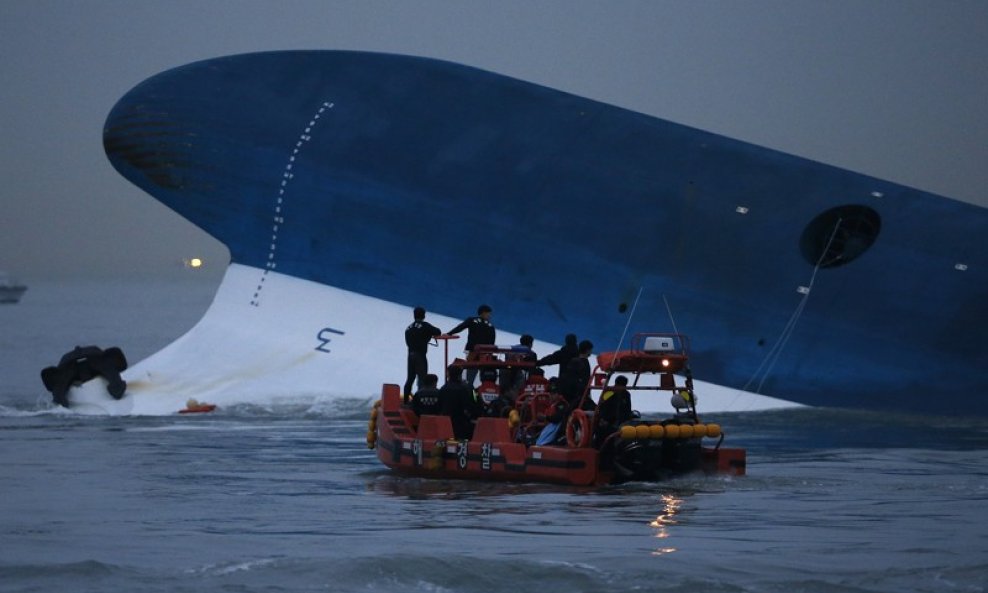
column 287, row 497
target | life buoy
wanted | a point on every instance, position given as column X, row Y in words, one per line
column 578, row 429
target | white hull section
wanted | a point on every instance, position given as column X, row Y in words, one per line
column 298, row 342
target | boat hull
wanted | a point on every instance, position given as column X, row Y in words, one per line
column 422, row 182
column 308, row 344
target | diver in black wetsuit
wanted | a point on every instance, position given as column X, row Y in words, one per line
column 82, row 364
column 417, row 336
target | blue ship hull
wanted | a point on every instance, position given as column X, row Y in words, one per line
column 418, row 181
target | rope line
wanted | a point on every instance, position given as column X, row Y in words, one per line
column 630, row 317
column 774, row 353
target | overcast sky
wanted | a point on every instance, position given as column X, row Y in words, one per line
column 892, row 88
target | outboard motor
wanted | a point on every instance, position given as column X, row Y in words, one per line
column 82, row 364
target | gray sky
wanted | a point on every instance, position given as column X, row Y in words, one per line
column 892, row 88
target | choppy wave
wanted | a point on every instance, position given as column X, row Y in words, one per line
column 400, row 571
column 284, row 496
column 302, row 407
column 282, row 500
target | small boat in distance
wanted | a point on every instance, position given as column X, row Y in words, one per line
column 10, row 291
column 193, row 406
column 508, row 440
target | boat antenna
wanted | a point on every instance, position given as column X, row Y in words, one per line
column 689, row 371
column 626, row 325
column 669, row 311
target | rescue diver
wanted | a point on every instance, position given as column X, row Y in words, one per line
column 82, row 364
column 417, row 336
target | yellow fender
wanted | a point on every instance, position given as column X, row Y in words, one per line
column 372, row 426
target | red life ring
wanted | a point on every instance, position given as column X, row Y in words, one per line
column 578, row 429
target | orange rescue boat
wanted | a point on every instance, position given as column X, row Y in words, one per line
column 502, row 446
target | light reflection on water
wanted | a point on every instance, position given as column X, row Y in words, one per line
column 665, row 520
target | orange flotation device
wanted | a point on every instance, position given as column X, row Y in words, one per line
column 578, row 429
column 194, row 407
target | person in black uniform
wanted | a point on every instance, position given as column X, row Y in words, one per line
column 428, row 399
column 480, row 331
column 459, row 403
column 568, row 352
column 573, row 381
column 417, row 336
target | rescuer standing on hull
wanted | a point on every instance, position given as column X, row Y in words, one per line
column 417, row 336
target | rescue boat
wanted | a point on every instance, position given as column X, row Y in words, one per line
column 193, row 406
column 503, row 445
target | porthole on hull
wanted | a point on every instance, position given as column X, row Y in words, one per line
column 840, row 235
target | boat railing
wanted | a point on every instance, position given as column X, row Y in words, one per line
column 651, row 354
column 489, row 356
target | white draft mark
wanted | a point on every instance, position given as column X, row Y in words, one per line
column 277, row 219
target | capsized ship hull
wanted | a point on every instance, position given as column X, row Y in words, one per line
column 414, row 181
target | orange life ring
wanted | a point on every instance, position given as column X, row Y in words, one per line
column 578, row 429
